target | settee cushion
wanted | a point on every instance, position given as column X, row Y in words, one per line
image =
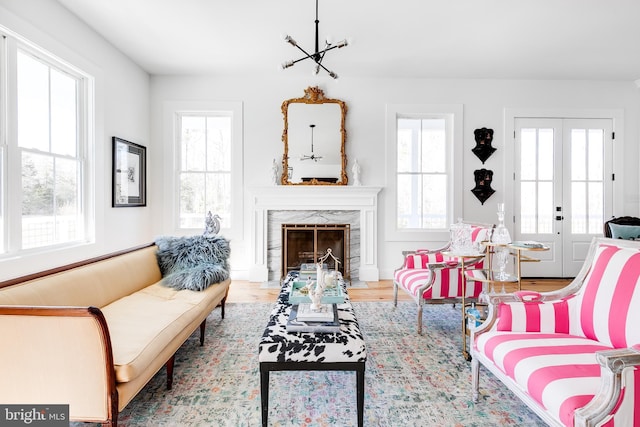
column 559, row 371
column 141, row 325
column 97, row 284
column 609, row 299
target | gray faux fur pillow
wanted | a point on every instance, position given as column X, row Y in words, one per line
column 193, row 262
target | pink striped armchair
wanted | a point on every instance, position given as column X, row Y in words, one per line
column 573, row 355
column 430, row 277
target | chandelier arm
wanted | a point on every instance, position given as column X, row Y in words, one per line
column 324, row 68
column 308, row 55
column 311, row 55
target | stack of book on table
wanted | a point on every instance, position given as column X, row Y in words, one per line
column 303, row 319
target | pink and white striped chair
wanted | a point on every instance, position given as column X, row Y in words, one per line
column 429, row 276
column 573, row 355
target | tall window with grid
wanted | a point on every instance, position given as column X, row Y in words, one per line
column 204, row 178
column 44, row 167
column 423, row 173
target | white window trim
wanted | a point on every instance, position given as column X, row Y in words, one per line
column 171, row 214
column 393, row 111
column 86, row 131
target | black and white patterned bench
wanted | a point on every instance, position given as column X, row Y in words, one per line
column 280, row 350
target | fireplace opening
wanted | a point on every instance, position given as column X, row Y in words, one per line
column 306, row 243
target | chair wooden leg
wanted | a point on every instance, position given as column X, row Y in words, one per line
column 475, row 379
column 419, row 319
column 395, row 294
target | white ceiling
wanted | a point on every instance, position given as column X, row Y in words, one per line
column 520, row 39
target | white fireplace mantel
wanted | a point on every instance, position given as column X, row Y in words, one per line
column 312, row 197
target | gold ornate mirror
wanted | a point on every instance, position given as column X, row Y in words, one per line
column 314, row 137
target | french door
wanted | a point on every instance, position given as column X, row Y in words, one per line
column 563, row 189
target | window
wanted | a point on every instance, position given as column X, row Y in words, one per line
column 205, row 168
column 423, row 140
column 208, row 165
column 43, row 161
column 422, row 184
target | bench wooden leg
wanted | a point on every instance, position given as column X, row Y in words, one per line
column 360, row 395
column 202, row 328
column 222, row 306
column 170, row 371
column 264, row 394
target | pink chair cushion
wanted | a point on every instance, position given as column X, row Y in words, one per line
column 534, row 316
column 610, row 297
column 559, row 371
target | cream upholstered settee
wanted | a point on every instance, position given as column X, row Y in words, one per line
column 572, row 355
column 93, row 334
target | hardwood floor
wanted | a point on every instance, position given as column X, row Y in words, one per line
column 245, row 291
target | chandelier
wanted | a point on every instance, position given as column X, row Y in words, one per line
column 318, row 56
column 312, row 156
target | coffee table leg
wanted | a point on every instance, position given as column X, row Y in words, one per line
column 360, row 395
column 264, row 394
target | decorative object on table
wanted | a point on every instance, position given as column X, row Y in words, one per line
column 501, row 237
column 316, row 56
column 274, row 173
column 315, row 293
column 129, row 175
column 483, row 149
column 355, row 169
column 528, row 244
column 299, row 320
column 460, row 237
column 193, row 262
column 329, row 255
column 299, row 293
column 483, row 190
column 211, row 225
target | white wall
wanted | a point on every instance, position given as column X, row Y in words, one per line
column 484, row 104
column 122, row 109
column 129, row 104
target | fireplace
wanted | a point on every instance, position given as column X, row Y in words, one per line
column 313, row 204
column 307, row 243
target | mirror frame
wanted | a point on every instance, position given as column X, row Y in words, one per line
column 313, row 95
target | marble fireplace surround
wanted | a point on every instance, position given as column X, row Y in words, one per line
column 316, row 199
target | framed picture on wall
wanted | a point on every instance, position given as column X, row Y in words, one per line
column 129, row 177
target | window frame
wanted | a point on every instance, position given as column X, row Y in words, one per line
column 172, row 113
column 453, row 115
column 11, row 245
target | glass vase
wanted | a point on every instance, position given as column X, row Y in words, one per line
column 501, row 237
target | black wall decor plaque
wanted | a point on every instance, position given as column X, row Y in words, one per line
column 483, row 189
column 483, row 149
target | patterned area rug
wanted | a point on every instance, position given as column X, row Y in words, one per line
column 410, row 380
